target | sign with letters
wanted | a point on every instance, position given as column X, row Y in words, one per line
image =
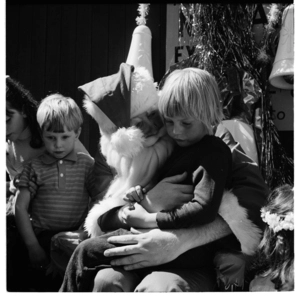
column 179, row 47
column 283, row 109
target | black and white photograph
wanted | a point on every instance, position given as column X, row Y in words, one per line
column 149, row 147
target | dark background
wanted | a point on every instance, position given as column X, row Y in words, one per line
column 58, row 47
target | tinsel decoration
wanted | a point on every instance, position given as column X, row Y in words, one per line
column 143, row 10
column 276, row 166
column 225, row 46
column 226, row 49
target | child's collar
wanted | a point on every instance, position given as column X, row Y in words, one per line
column 46, row 158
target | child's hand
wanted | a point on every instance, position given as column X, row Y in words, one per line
column 38, row 257
column 134, row 194
column 138, row 217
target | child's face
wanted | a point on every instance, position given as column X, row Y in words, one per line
column 15, row 123
column 149, row 122
column 59, row 145
column 185, row 131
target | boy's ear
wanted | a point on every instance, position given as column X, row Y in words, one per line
column 78, row 132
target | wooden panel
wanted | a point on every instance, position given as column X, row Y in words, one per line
column 38, row 57
column 100, row 38
column 83, row 60
column 156, row 19
column 99, row 63
column 25, row 34
column 67, row 83
column 116, row 33
column 12, row 40
column 53, row 46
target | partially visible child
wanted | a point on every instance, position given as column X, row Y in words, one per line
column 23, row 143
column 275, row 258
column 190, row 107
column 23, row 139
column 64, row 178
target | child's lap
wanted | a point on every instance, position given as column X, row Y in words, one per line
column 95, row 247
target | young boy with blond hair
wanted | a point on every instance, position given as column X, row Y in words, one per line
column 64, row 178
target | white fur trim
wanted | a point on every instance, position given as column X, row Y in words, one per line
column 91, row 221
column 127, row 142
column 248, row 234
column 143, row 94
column 138, row 170
column 106, row 126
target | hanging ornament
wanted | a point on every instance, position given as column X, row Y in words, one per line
column 143, row 9
column 282, row 75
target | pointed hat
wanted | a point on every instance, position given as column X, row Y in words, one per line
column 143, row 90
column 111, row 94
column 129, row 92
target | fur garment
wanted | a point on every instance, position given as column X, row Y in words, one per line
column 236, row 216
column 135, row 159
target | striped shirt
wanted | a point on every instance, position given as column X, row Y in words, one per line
column 64, row 188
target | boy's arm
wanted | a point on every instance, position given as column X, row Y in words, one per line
column 155, row 200
column 37, row 255
column 209, row 180
column 22, row 217
column 166, row 194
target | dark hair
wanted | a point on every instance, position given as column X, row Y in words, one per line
column 22, row 100
column 276, row 250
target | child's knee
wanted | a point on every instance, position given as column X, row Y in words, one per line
column 115, row 280
column 90, row 253
column 162, row 281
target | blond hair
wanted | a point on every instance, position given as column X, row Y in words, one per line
column 192, row 93
column 56, row 112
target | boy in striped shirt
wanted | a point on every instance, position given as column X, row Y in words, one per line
column 64, row 178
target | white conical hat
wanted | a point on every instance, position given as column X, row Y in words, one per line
column 140, row 49
column 143, row 89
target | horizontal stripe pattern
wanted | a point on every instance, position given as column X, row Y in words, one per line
column 60, row 205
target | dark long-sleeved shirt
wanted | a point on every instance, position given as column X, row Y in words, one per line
column 208, row 164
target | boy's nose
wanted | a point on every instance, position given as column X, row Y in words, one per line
column 177, row 130
column 57, row 143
